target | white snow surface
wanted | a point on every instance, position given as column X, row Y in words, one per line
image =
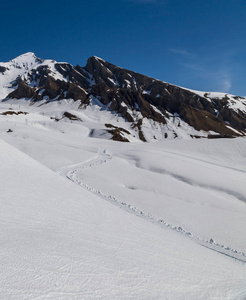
column 90, row 218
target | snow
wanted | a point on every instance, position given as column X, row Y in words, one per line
column 111, row 80
column 27, row 59
column 98, row 58
column 233, row 129
column 63, row 242
column 55, row 74
column 167, row 92
column 135, row 83
column 128, row 83
column 146, row 92
column 238, row 105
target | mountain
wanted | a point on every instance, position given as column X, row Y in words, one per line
column 153, row 109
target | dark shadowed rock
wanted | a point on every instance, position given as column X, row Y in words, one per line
column 70, row 116
column 11, row 113
column 2, row 69
column 117, row 133
column 25, row 91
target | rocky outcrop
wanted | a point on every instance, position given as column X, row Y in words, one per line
column 25, row 91
column 12, row 113
column 2, row 69
column 118, row 133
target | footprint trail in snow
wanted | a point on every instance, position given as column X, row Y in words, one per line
column 71, row 172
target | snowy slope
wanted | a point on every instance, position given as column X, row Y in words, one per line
column 202, row 198
column 197, row 185
column 135, row 221
column 61, row 242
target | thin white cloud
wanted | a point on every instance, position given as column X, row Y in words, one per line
column 193, row 66
column 142, row 1
column 225, row 82
column 226, row 85
column 180, row 51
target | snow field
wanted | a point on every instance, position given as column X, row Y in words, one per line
column 61, row 241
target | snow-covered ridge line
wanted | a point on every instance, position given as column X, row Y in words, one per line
column 70, row 172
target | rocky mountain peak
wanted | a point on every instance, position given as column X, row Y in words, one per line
column 101, row 70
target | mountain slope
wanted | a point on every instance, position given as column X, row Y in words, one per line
column 154, row 109
column 62, row 242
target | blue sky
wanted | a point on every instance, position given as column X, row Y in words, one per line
column 198, row 44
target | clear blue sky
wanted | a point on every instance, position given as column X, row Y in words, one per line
column 198, row 44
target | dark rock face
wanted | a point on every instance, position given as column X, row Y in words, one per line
column 11, row 113
column 203, row 120
column 132, row 95
column 2, row 69
column 25, row 91
column 71, row 116
column 237, row 120
column 117, row 133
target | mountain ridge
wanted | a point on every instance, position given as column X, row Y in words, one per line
column 141, row 100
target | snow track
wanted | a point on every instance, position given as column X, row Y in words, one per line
column 71, row 172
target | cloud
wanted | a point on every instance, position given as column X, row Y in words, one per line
column 193, row 66
column 142, row 1
column 221, row 78
column 226, row 83
column 180, row 51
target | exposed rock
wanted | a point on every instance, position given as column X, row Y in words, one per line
column 11, row 112
column 76, row 92
column 119, row 128
column 71, row 116
column 237, row 120
column 203, row 120
column 2, row 69
column 117, row 133
column 25, row 91
column 138, row 125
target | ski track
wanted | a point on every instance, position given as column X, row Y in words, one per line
column 70, row 172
